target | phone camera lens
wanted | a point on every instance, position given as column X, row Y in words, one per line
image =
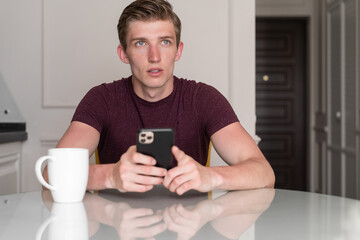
column 143, row 134
column 142, row 140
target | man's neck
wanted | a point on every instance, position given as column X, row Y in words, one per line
column 153, row 94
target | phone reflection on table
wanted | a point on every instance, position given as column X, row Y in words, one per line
column 159, row 214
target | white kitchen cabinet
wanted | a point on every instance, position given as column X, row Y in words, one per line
column 10, row 155
column 342, row 80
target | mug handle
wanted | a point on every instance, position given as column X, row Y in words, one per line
column 39, row 174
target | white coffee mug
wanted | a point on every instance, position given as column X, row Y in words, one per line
column 68, row 170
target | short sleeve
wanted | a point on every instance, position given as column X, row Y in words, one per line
column 214, row 110
column 93, row 108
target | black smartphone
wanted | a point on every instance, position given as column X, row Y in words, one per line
column 157, row 142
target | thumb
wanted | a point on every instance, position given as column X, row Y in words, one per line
column 178, row 154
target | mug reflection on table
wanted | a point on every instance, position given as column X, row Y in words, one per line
column 68, row 221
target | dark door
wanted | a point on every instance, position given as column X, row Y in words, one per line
column 280, row 98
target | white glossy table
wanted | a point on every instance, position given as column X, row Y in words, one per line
column 256, row 214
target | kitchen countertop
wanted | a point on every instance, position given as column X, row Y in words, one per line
column 12, row 132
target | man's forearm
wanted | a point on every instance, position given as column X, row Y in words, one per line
column 99, row 176
column 249, row 174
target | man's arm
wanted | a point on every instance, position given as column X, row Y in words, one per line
column 80, row 135
column 133, row 171
column 248, row 167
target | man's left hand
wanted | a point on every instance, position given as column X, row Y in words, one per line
column 189, row 174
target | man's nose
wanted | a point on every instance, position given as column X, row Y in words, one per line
column 154, row 53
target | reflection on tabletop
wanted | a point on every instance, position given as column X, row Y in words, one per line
column 158, row 214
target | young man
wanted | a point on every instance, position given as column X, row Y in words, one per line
column 109, row 116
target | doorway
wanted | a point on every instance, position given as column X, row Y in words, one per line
column 281, row 76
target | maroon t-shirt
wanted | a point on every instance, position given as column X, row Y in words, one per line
column 194, row 110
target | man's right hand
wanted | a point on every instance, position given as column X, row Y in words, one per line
column 136, row 172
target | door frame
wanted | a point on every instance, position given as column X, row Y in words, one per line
column 295, row 97
column 316, row 96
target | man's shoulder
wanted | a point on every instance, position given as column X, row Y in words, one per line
column 195, row 88
column 114, row 86
column 192, row 84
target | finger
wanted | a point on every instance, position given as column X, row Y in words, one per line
column 172, row 174
column 185, row 226
column 139, row 212
column 168, row 219
column 140, row 158
column 178, row 176
column 179, row 155
column 132, row 148
column 150, row 170
column 175, row 222
column 180, row 180
column 149, row 231
column 166, row 216
column 185, row 187
column 184, row 212
column 176, row 216
column 134, row 187
column 147, row 180
column 145, row 221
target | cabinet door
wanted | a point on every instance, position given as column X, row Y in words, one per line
column 341, row 91
column 334, row 99
column 9, row 168
column 349, row 98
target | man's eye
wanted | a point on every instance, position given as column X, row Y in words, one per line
column 140, row 43
column 166, row 42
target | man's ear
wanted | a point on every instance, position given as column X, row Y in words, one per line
column 179, row 51
column 122, row 54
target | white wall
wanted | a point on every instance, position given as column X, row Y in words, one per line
column 49, row 71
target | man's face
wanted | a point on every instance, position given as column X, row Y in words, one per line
column 151, row 52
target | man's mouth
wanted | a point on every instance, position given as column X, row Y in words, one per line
column 154, row 70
